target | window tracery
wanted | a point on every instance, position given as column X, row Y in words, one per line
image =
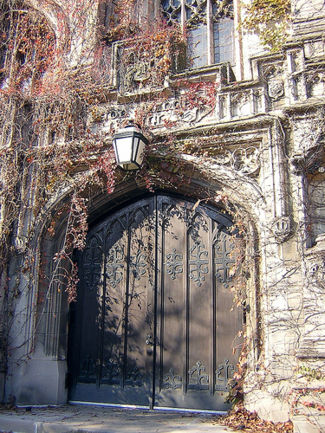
column 27, row 46
column 172, row 11
column 209, row 28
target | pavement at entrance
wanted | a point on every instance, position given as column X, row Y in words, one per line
column 95, row 419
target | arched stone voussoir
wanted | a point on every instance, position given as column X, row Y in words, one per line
column 241, row 190
column 209, row 180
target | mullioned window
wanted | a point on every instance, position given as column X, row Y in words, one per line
column 209, row 28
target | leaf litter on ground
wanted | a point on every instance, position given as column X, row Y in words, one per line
column 242, row 420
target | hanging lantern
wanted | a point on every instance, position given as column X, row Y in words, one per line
column 129, row 144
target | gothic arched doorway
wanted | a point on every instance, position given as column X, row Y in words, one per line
column 154, row 323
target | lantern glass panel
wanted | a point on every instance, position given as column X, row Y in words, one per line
column 139, row 156
column 135, row 148
column 124, row 149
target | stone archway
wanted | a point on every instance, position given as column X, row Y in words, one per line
column 48, row 310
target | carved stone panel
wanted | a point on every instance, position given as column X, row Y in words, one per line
column 272, row 73
column 275, row 88
column 241, row 104
column 139, row 64
column 245, row 161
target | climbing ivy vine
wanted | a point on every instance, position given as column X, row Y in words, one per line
column 270, row 19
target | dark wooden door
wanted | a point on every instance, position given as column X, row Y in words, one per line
column 154, row 323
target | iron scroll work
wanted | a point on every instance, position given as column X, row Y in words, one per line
column 153, row 319
column 199, row 379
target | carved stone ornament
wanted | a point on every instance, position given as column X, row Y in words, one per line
column 316, row 263
column 316, row 272
column 272, row 74
column 315, row 84
column 135, row 75
column 107, row 118
column 309, row 161
column 132, row 72
column 245, row 161
column 270, row 71
column 21, row 243
column 282, row 228
column 275, row 89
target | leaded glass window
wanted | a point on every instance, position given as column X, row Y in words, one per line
column 209, row 28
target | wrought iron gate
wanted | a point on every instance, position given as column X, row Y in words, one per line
column 154, row 324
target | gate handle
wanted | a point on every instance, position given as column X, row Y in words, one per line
column 149, row 340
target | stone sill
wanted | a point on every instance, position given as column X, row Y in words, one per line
column 212, row 70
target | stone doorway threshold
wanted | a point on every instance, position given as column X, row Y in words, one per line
column 99, row 419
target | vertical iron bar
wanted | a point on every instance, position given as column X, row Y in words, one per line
column 102, row 331
column 187, row 312
column 213, row 308
column 162, row 303
column 126, row 313
column 152, row 403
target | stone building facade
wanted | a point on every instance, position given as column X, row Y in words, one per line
column 267, row 131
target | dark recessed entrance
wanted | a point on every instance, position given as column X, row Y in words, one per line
column 154, row 324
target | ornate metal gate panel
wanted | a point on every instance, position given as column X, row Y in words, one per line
column 109, row 360
column 196, row 328
column 153, row 323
